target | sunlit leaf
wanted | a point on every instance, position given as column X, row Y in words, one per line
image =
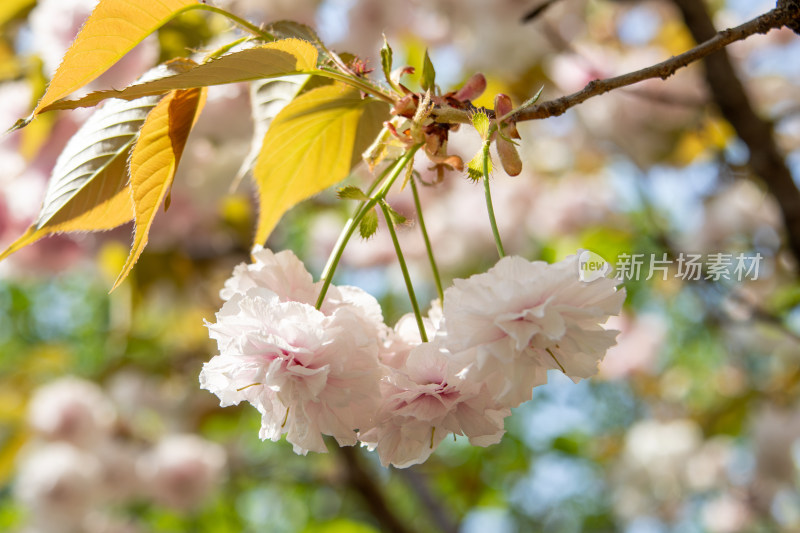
column 481, row 122
column 11, row 8
column 279, row 58
column 312, row 144
column 397, row 218
column 87, row 191
column 9, row 450
column 155, row 159
column 386, row 59
column 475, row 167
column 88, row 188
column 289, row 29
column 267, row 98
column 113, row 29
column 369, row 224
column 428, row 79
column 352, row 192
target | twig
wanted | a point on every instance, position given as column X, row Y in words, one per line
column 773, row 19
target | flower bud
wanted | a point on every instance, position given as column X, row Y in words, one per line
column 509, row 157
column 472, row 89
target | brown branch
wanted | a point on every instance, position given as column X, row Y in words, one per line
column 538, row 11
column 773, row 19
column 766, row 160
column 438, row 513
column 360, row 480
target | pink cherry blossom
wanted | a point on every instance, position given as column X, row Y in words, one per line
column 425, row 401
column 58, row 484
column 405, row 335
column 73, row 410
column 182, row 470
column 286, row 276
column 307, row 373
column 521, row 318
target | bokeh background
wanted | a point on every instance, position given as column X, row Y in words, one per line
column 692, row 425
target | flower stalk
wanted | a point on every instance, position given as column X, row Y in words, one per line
column 355, row 220
column 406, row 277
column 418, row 206
column 485, row 154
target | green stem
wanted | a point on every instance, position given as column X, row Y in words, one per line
column 427, row 240
column 350, row 79
column 252, row 28
column 489, row 207
column 356, row 82
column 352, row 223
column 400, row 259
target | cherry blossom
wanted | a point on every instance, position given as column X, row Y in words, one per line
column 72, row 410
column 425, row 401
column 307, row 373
column 58, row 483
column 286, row 276
column 182, row 470
column 530, row 315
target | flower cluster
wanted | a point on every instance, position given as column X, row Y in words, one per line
column 341, row 371
column 89, row 460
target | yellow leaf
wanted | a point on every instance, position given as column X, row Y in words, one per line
column 102, row 205
column 311, row 145
column 9, row 449
column 11, row 8
column 113, row 29
column 278, row 58
column 88, row 188
column 155, row 159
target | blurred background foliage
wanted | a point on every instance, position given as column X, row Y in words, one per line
column 692, row 424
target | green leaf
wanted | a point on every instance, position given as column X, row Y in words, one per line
column 369, row 224
column 386, row 59
column 530, row 101
column 88, row 189
column 428, row 80
column 312, row 144
column 397, row 218
column 475, row 167
column 112, row 30
column 352, row 192
column 288, row 29
column 271, row 60
column 155, row 159
column 482, row 123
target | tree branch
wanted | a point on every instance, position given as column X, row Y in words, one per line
column 766, row 160
column 773, row 19
column 776, row 18
column 361, row 481
column 437, row 512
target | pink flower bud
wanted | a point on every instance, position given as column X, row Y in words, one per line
column 472, row 89
column 509, row 157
